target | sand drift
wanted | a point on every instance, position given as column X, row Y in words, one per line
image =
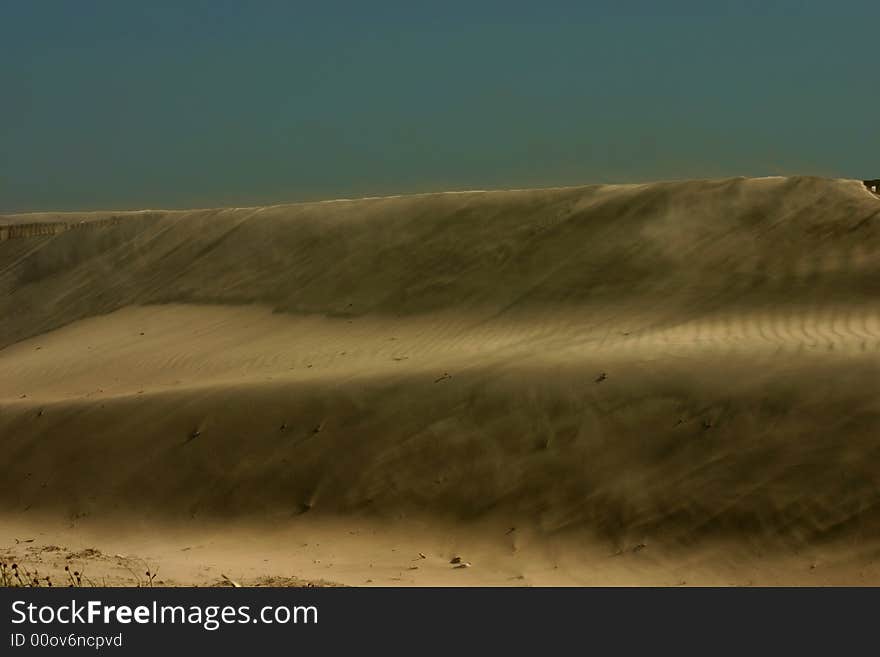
column 683, row 363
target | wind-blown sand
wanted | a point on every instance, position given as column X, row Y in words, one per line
column 633, row 384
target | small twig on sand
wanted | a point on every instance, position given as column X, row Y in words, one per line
column 231, row 582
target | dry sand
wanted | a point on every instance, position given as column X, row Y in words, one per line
column 673, row 383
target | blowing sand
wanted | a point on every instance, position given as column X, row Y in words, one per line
column 674, row 383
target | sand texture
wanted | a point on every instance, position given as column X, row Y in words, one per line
column 668, row 383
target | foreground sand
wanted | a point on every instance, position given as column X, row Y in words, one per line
column 651, row 384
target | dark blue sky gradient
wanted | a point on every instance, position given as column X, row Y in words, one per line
column 192, row 104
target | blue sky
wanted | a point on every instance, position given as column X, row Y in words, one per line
column 190, row 104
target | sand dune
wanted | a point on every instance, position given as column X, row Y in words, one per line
column 608, row 384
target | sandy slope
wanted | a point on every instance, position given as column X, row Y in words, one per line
column 657, row 384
